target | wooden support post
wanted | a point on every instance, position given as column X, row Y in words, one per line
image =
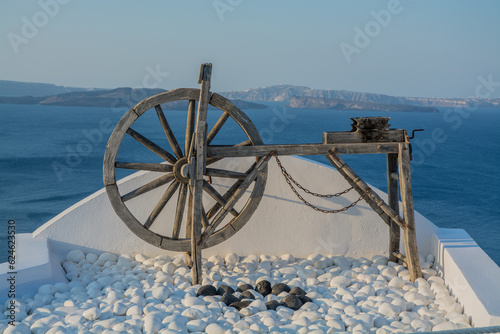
column 393, row 199
column 199, row 169
column 410, row 237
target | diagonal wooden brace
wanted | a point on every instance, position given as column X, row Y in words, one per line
column 374, row 200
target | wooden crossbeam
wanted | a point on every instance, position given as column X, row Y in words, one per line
column 300, row 149
column 374, row 200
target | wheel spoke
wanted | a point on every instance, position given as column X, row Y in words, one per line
column 225, row 173
column 218, row 125
column 151, row 146
column 216, row 196
column 148, row 187
column 168, row 131
column 161, row 204
column 234, row 198
column 228, row 193
column 189, row 221
column 204, row 219
column 144, row 166
column 179, row 212
column 189, row 126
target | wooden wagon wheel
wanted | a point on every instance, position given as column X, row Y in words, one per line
column 176, row 175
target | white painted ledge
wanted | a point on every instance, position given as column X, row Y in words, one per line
column 470, row 274
column 35, row 265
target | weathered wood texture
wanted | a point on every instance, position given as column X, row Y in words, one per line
column 151, row 146
column 393, row 199
column 358, row 137
column 161, row 204
column 299, row 149
column 228, row 206
column 374, row 200
column 410, row 236
column 148, row 187
column 152, row 167
column 168, row 132
column 199, row 163
column 189, row 126
column 179, row 211
column 216, row 128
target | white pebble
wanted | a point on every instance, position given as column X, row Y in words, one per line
column 444, row 326
column 92, row 314
column 161, row 293
column 75, row 256
column 397, row 282
column 197, row 325
column 231, row 258
column 18, row 328
column 169, row 268
column 152, row 323
column 388, row 309
column 47, row 289
column 288, row 258
column 215, row 328
column 340, row 281
column 92, row 258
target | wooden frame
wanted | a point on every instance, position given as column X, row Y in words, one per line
column 186, row 171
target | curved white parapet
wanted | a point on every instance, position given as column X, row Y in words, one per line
column 281, row 223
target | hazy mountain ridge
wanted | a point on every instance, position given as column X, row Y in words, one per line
column 285, row 93
column 30, row 93
column 308, row 102
column 113, row 98
column 19, row 88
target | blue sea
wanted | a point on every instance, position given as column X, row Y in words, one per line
column 51, row 158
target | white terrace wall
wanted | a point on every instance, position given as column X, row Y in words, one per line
column 281, row 223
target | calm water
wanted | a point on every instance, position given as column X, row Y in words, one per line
column 51, row 157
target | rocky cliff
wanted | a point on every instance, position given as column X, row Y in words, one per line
column 307, row 102
column 285, row 93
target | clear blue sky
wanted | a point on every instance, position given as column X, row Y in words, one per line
column 426, row 48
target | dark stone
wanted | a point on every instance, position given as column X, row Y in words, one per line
column 304, row 299
column 244, row 287
column 206, row 290
column 228, row 299
column 264, row 288
column 241, row 304
column 291, row 301
column 225, row 289
column 246, row 295
column 272, row 305
column 279, row 288
column 297, row 291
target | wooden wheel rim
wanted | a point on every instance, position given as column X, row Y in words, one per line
column 161, row 241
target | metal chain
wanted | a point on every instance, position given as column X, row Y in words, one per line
column 289, row 180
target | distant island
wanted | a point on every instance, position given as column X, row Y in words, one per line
column 14, row 92
column 112, row 98
column 307, row 102
column 285, row 93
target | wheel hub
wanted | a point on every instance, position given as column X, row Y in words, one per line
column 181, row 170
